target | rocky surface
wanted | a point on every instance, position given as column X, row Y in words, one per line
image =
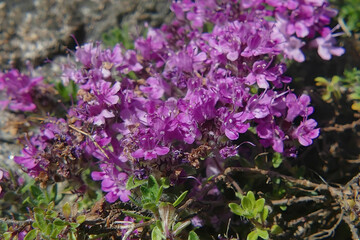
column 36, row 30
column 40, row 29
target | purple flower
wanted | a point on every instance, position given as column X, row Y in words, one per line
column 106, row 94
column 234, row 123
column 306, row 132
column 297, row 107
column 156, row 88
column 19, row 89
column 292, row 49
column 197, row 221
column 187, row 128
column 113, row 182
column 149, row 148
column 326, row 46
column 32, row 159
column 229, row 151
column 98, row 114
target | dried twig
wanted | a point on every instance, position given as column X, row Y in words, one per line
column 327, row 232
column 321, row 212
column 354, row 180
column 132, row 227
column 16, row 222
column 269, row 173
column 353, row 229
column 91, row 138
column 341, row 127
column 293, row 200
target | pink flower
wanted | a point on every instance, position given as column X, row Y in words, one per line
column 113, row 182
column 306, row 132
column 326, row 46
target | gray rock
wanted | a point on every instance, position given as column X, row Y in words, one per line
column 40, row 29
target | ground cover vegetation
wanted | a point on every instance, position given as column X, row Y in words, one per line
column 237, row 120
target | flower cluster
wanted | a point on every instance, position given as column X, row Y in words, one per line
column 187, row 91
column 293, row 23
column 19, row 89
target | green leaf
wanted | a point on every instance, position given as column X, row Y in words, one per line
column 251, row 197
column 247, row 204
column 35, row 225
column 153, row 186
column 259, row 205
column 237, row 209
column 59, row 222
column 180, row 198
column 133, row 182
column 156, row 234
column 39, row 210
column 208, row 27
column 132, row 75
column 159, row 194
column 252, row 236
column 134, row 201
column 49, row 229
column 53, row 193
column 262, row 233
column 3, row 227
column 239, row 195
column 36, row 192
column 66, row 210
column 28, row 201
column 193, row 236
column 80, row 219
column 39, row 218
column 43, row 203
column 31, row 235
column 167, row 214
column 276, row 160
column 68, row 92
column 71, row 236
column 150, row 191
column 320, row 81
column 180, row 226
column 56, row 231
column 276, row 229
column 51, row 205
column 264, row 214
column 335, row 79
column 283, row 207
column 165, row 182
column 150, row 206
column 51, row 214
column 8, row 236
column 74, row 225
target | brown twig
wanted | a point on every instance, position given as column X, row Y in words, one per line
column 91, row 138
column 353, row 229
column 16, row 222
column 269, row 173
column 293, row 200
column 341, row 127
column 320, row 212
column 354, row 180
column 132, row 227
column 327, row 232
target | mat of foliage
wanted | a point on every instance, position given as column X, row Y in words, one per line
column 237, row 120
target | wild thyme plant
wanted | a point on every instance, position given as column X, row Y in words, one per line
column 166, row 117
